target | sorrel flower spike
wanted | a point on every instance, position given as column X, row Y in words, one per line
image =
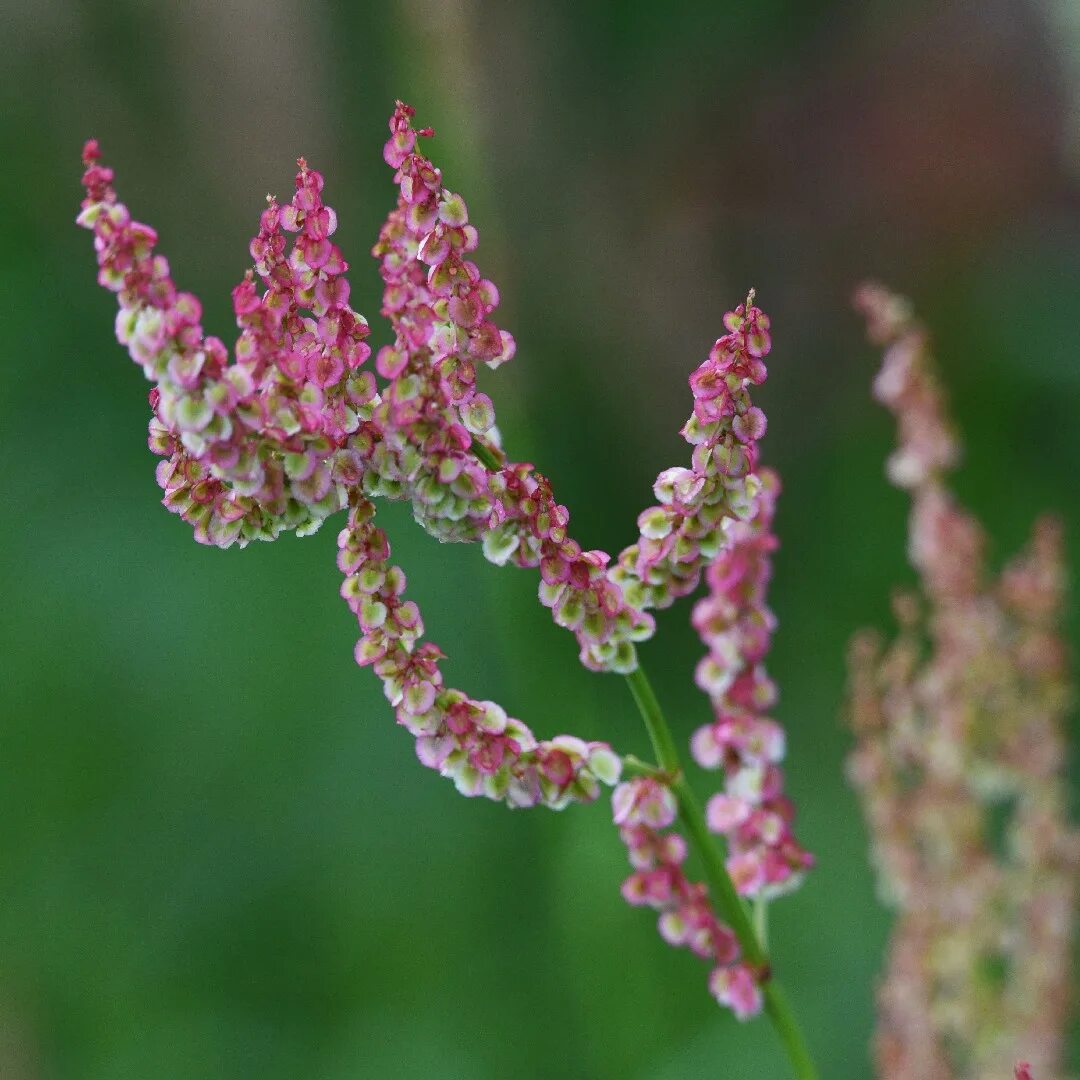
column 267, row 443
column 251, row 446
column 433, row 435
column 475, row 743
column 644, row 808
column 291, row 430
column 960, row 764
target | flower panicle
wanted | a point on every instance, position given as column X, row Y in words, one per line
column 475, row 743
column 684, row 532
column 736, row 625
column 644, row 808
column 253, row 445
column 959, row 763
column 431, row 414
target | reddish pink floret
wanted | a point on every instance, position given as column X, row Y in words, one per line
column 643, row 808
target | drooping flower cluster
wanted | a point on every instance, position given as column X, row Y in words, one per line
column 249, row 446
column 643, row 809
column 960, row 764
column 736, row 625
column 475, row 743
column 291, row 430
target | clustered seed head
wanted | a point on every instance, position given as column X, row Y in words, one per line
column 475, row 743
column 716, row 517
column 253, row 446
column 644, row 808
column 736, row 625
column 960, row 765
column 423, row 429
column 682, row 534
column 291, row 430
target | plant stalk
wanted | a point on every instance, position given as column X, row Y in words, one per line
column 721, row 888
column 728, row 902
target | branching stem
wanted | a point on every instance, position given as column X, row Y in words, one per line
column 728, row 903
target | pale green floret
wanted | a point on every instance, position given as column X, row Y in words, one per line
column 219, row 428
column 250, row 414
column 126, row 320
column 393, row 689
column 606, row 765
column 500, row 544
column 216, row 394
column 90, row 214
column 521, row 734
column 585, row 787
column 692, row 430
column 625, row 660
column 685, row 547
column 447, row 471
column 466, row 778
column 452, row 209
column 295, row 464
column 709, row 545
column 373, row 614
column 112, row 279
column 374, row 484
column 742, row 497
column 371, row 578
column 430, row 492
column 656, row 523
column 287, row 419
column 497, row 785
column 572, row 745
column 570, row 611
column 148, row 323
column 414, row 697
column 594, row 625
column 192, row 413
column 411, row 461
column 335, row 498
column 406, row 388
column 492, row 719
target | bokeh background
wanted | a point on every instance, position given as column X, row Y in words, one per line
column 219, row 857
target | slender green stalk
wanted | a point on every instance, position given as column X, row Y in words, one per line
column 728, row 903
column 721, row 888
column 485, row 456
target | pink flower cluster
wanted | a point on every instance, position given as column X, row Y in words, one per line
column 643, row 809
column 475, row 743
column 685, row 531
column 250, row 446
column 736, row 625
column 424, row 428
column 291, row 430
column 961, row 764
column 717, row 516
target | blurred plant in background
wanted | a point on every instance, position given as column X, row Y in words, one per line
column 960, row 764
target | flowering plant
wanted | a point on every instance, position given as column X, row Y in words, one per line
column 292, row 427
column 959, row 763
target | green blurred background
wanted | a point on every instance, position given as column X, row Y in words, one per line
column 220, row 858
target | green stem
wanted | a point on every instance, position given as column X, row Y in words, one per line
column 721, row 888
column 728, row 903
column 485, row 456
